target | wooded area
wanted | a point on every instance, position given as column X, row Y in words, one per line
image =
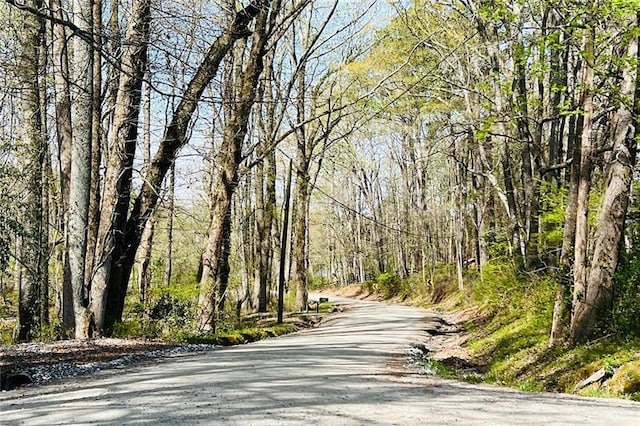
column 145, row 148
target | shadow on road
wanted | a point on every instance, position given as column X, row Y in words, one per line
column 337, row 374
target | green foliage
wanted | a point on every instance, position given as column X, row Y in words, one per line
column 498, row 286
column 553, row 203
column 137, row 328
column 317, row 282
column 8, row 314
column 173, row 311
column 626, row 380
column 6, row 331
column 169, row 311
column 530, row 386
column 437, row 368
column 237, row 336
column 388, row 284
column 289, row 299
column 626, row 6
column 49, row 332
column 513, row 335
column 425, row 287
column 625, row 311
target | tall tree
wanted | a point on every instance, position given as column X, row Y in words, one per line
column 62, row 89
column 241, row 86
column 34, row 247
column 80, row 177
column 107, row 280
column 146, row 241
column 596, row 289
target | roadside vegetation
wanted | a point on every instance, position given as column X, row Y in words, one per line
column 169, row 316
column 507, row 318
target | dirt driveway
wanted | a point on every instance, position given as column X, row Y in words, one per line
column 348, row 371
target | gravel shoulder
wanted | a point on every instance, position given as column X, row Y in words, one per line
column 43, row 363
column 345, row 372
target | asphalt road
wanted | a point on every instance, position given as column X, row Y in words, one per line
column 346, row 372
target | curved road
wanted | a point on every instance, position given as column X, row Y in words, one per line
column 341, row 373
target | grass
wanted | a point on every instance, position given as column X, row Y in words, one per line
column 439, row 369
column 237, row 337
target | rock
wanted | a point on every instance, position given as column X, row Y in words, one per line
column 597, row 377
column 626, row 380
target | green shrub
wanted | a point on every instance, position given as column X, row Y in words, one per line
column 50, row 332
column 137, row 328
column 623, row 318
column 317, row 282
column 388, row 284
column 236, row 337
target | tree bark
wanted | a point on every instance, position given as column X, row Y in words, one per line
column 235, row 130
column 170, row 215
column 299, row 226
column 580, row 266
column 80, row 182
column 265, row 187
column 262, row 239
column 93, row 221
column 562, row 304
column 146, row 243
column 34, row 249
column 107, row 283
column 64, row 137
column 610, row 225
column 530, row 158
column 115, row 267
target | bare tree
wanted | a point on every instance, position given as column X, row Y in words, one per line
column 60, row 56
column 241, row 86
column 80, row 178
column 34, row 247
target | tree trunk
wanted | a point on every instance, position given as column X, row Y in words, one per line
column 265, row 190
column 263, row 239
column 215, row 257
column 46, row 173
column 580, row 266
column 299, row 227
column 222, row 283
column 530, row 160
column 107, row 285
column 610, row 226
column 34, row 249
column 170, row 217
column 116, row 267
column 562, row 305
column 265, row 209
column 96, row 142
column 80, row 184
column 146, row 242
column 64, row 136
